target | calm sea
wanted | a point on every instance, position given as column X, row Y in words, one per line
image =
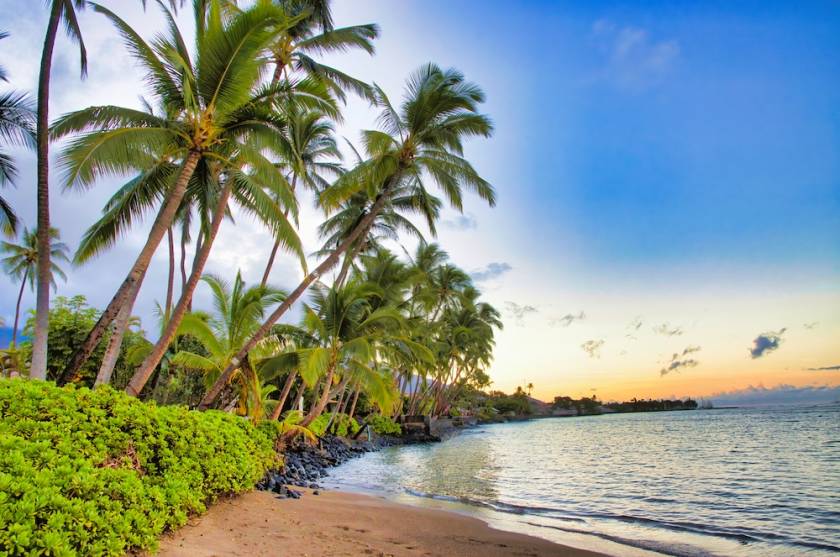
column 739, row 482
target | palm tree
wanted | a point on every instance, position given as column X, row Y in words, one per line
column 309, row 151
column 60, row 11
column 423, row 139
column 343, row 330
column 21, row 261
column 212, row 110
column 315, row 34
column 254, row 195
column 238, row 313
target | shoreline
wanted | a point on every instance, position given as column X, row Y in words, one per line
column 343, row 523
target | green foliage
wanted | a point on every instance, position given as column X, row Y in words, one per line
column 290, row 426
column 516, row 403
column 95, row 472
column 384, row 425
column 70, row 322
column 341, row 425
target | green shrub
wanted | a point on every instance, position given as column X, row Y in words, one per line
column 342, row 425
column 383, row 425
column 95, row 472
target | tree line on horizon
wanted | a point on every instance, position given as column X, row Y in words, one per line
column 244, row 119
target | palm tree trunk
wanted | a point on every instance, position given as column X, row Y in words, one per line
column 352, row 411
column 362, row 228
column 287, row 386
column 321, row 403
column 270, row 263
column 38, row 367
column 183, row 259
column 153, row 359
column 163, row 221
column 276, row 245
column 112, row 351
column 17, row 308
column 170, row 285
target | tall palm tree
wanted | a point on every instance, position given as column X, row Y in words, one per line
column 213, row 108
column 424, row 138
column 310, row 153
column 248, row 190
column 61, row 11
column 314, row 34
column 21, row 261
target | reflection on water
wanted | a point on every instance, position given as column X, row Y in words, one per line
column 722, row 482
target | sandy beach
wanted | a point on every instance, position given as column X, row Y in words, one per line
column 336, row 523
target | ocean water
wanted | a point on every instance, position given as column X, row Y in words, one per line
column 729, row 482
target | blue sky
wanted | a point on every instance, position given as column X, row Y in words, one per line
column 673, row 162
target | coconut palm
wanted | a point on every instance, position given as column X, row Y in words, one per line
column 422, row 139
column 343, row 329
column 212, row 109
column 61, row 11
column 310, row 153
column 21, row 261
column 238, row 313
column 249, row 191
column 314, row 34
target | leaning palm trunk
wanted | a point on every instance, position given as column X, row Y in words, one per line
column 321, row 403
column 38, row 367
column 276, row 245
column 170, row 284
column 362, row 228
column 163, row 221
column 112, row 352
column 352, row 411
column 17, row 308
column 284, row 394
column 141, row 376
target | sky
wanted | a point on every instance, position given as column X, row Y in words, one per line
column 668, row 175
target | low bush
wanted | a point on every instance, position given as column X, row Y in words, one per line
column 384, row 425
column 95, row 472
column 342, row 425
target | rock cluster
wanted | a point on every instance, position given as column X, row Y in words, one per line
column 304, row 464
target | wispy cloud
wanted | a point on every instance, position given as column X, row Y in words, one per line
column 636, row 324
column 491, row 271
column 518, row 312
column 567, row 319
column 780, row 394
column 766, row 343
column 461, row 222
column 680, row 360
column 593, row 347
column 667, row 330
column 826, row 368
column 634, row 59
column 811, row 326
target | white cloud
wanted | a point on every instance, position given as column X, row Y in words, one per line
column 633, row 58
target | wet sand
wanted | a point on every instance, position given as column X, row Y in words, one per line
column 345, row 524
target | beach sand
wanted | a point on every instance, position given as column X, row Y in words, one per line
column 336, row 523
